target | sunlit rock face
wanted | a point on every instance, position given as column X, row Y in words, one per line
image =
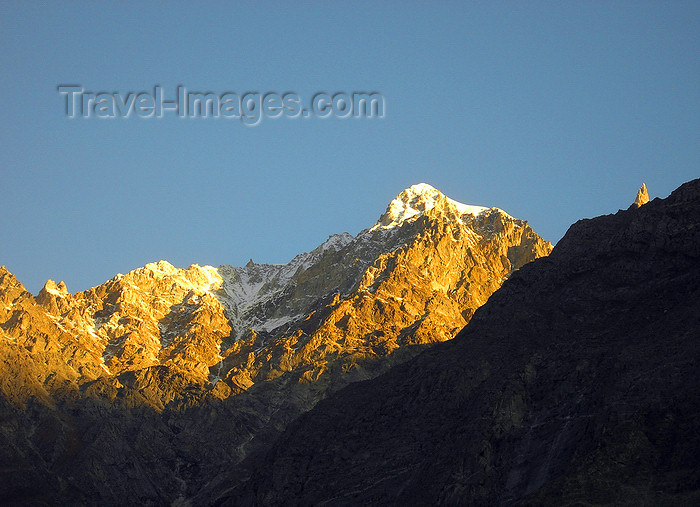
column 226, row 357
column 642, row 196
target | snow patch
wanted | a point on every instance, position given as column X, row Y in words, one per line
column 55, row 292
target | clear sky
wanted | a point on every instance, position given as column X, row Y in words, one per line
column 552, row 111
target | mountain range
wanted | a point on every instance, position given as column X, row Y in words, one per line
column 139, row 390
column 446, row 355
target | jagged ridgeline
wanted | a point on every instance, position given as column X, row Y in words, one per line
column 575, row 384
column 251, row 347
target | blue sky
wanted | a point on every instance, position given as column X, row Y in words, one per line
column 553, row 111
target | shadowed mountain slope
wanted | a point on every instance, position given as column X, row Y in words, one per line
column 576, row 384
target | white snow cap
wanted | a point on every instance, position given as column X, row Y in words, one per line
column 415, row 201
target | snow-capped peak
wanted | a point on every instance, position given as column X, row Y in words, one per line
column 418, row 199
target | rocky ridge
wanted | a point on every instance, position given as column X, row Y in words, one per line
column 575, row 384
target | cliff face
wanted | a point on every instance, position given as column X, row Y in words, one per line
column 140, row 389
column 576, row 383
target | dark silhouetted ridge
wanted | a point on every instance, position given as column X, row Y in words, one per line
column 575, row 384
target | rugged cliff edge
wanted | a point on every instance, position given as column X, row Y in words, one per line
column 142, row 389
column 576, row 384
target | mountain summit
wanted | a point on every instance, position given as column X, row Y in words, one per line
column 420, row 199
column 642, row 196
